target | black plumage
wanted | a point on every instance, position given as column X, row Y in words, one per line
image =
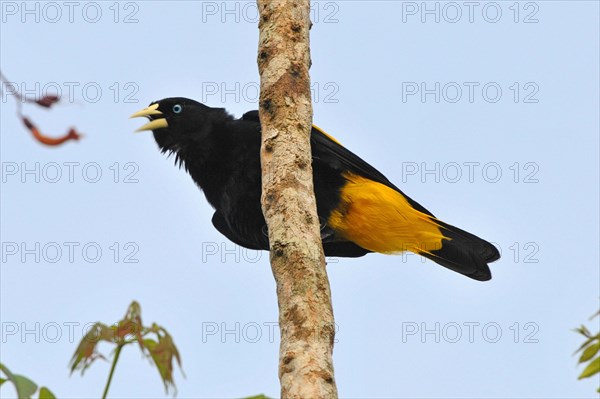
column 222, row 155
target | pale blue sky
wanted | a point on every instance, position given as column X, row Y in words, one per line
column 369, row 58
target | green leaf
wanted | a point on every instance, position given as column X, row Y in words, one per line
column 2, row 381
column 586, row 343
column 591, row 369
column 45, row 393
column 583, row 331
column 589, row 352
column 86, row 352
column 24, row 386
column 162, row 353
column 6, row 371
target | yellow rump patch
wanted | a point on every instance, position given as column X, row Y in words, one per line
column 380, row 219
column 330, row 137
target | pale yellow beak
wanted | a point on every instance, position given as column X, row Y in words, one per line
column 154, row 124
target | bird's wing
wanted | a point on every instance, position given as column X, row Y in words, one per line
column 461, row 251
column 332, row 247
column 251, row 116
column 324, row 144
column 346, row 160
column 223, row 227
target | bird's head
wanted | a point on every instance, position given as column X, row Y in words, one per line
column 177, row 122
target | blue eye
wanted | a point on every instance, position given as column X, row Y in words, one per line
column 177, row 108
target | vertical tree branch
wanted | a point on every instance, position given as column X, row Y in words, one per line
column 288, row 201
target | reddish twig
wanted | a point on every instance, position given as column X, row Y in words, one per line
column 72, row 134
column 46, row 102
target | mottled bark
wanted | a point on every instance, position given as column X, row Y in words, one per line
column 288, row 201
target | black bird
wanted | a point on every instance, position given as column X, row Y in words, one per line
column 360, row 210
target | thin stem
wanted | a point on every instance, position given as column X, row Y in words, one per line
column 112, row 370
column 12, row 90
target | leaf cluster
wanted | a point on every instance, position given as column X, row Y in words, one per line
column 154, row 342
column 589, row 352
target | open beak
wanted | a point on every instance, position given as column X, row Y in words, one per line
column 149, row 113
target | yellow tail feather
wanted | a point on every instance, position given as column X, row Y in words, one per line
column 380, row 219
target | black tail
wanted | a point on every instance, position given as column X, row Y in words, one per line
column 464, row 253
